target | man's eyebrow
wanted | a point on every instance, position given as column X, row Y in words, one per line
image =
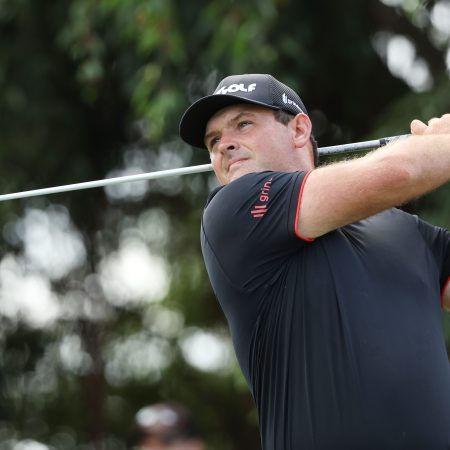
column 231, row 121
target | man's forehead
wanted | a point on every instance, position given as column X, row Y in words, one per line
column 232, row 111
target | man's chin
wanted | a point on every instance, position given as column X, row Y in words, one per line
column 238, row 173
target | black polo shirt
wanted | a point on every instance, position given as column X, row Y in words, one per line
column 340, row 339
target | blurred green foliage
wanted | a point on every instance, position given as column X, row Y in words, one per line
column 92, row 87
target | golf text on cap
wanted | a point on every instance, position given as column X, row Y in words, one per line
column 236, row 88
column 290, row 102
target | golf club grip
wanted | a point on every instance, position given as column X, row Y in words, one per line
column 358, row 146
column 388, row 140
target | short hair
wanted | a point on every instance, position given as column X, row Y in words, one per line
column 284, row 118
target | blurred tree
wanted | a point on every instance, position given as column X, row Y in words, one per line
column 104, row 302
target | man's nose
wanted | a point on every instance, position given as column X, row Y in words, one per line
column 227, row 144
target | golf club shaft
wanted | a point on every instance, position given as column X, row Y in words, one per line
column 324, row 151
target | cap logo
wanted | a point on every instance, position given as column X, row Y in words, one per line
column 235, row 88
column 290, row 102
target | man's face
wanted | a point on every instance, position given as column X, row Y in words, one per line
column 246, row 138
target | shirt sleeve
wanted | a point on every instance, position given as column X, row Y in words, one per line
column 438, row 240
column 250, row 225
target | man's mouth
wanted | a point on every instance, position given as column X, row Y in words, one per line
column 235, row 162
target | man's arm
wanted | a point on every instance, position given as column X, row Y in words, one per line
column 345, row 192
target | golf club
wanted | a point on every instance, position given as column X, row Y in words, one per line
column 323, row 151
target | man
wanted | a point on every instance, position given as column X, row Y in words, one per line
column 166, row 426
column 331, row 294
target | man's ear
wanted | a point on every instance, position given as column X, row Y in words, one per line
column 302, row 128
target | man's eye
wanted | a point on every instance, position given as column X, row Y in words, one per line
column 243, row 124
column 213, row 141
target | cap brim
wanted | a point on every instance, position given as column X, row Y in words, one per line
column 194, row 120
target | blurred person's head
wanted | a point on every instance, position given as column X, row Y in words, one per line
column 166, row 426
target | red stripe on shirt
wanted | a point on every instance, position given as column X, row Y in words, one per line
column 297, row 215
column 446, row 285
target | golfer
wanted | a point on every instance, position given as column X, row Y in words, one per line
column 333, row 296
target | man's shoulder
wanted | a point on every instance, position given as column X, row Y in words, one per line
column 248, row 184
